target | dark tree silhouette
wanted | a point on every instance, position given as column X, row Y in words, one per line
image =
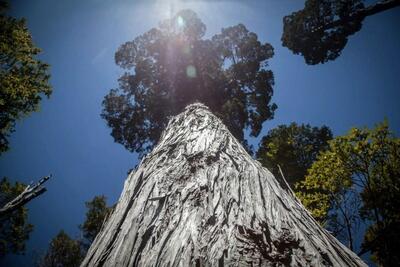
column 68, row 252
column 63, row 251
column 319, row 32
column 97, row 212
column 171, row 66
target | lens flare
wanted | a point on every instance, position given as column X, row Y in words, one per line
column 191, row 71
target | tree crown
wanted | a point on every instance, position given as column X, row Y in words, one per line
column 172, row 65
column 313, row 33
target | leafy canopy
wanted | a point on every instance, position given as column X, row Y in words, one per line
column 294, row 147
column 23, row 78
column 172, row 65
column 313, row 33
column 14, row 227
column 364, row 162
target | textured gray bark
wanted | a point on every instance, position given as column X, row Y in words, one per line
column 200, row 200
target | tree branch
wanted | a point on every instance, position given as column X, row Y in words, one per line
column 31, row 191
column 361, row 14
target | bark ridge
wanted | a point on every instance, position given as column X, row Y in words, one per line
column 199, row 199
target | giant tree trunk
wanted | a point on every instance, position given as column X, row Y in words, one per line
column 200, row 200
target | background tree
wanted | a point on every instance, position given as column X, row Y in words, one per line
column 63, row 252
column 319, row 32
column 14, row 226
column 365, row 164
column 23, row 78
column 97, row 212
column 171, row 66
column 294, row 147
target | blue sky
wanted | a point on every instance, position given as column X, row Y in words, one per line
column 69, row 139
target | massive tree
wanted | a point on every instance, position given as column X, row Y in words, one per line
column 294, row 148
column 24, row 79
column 14, row 226
column 199, row 199
column 173, row 65
column 319, row 32
column 362, row 165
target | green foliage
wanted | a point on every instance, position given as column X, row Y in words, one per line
column 63, row 252
column 294, row 147
column 171, row 66
column 97, row 212
column 14, row 227
column 305, row 32
column 362, row 166
column 23, row 78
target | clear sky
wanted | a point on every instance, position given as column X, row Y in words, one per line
column 69, row 139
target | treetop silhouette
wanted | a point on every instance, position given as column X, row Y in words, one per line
column 319, row 32
column 172, row 65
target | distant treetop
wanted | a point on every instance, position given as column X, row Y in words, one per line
column 320, row 30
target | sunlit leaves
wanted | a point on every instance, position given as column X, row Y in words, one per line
column 359, row 176
column 23, row 78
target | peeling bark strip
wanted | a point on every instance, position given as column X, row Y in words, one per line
column 200, row 200
column 30, row 192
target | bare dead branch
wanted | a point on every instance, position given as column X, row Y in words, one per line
column 31, row 191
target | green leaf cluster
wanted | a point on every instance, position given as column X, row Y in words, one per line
column 14, row 227
column 23, row 78
column 366, row 163
column 173, row 65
